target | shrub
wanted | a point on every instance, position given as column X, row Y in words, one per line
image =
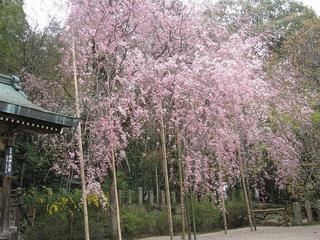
column 59, row 217
column 207, row 216
column 132, row 220
column 236, row 212
column 62, row 226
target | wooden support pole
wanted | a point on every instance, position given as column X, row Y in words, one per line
column 223, row 205
column 157, row 187
column 181, row 185
column 79, row 138
column 194, row 226
column 249, row 195
column 166, row 177
column 188, row 218
column 245, row 191
column 114, row 173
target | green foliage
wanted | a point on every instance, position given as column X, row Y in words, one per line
column 137, row 220
column 53, row 203
column 207, row 215
column 63, row 226
column 12, row 30
column 59, row 216
column 133, row 218
column 236, row 211
column 315, row 118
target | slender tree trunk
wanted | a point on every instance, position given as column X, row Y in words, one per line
column 194, row 226
column 68, row 179
column 70, row 182
column 79, row 138
column 188, row 218
column 224, row 215
column 114, row 173
column 166, row 177
column 157, row 186
column 180, row 169
column 112, row 211
column 249, row 194
column 245, row 192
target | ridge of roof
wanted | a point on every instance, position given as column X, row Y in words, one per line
column 12, row 80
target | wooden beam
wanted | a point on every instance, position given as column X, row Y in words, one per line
column 269, row 210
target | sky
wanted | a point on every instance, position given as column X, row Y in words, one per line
column 39, row 12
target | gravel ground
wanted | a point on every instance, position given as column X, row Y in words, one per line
column 262, row 233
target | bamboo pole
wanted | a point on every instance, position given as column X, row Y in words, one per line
column 245, row 192
column 157, row 187
column 249, row 195
column 114, row 173
column 188, row 218
column 79, row 138
column 194, row 226
column 223, row 202
column 166, row 177
column 183, row 220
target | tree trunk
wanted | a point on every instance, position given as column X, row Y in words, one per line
column 249, row 194
column 166, row 177
column 79, row 138
column 112, row 211
column 114, row 173
column 224, row 215
column 245, row 191
column 180, row 169
column 157, row 187
column 188, row 218
column 194, row 226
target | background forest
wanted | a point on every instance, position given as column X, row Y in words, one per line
column 144, row 87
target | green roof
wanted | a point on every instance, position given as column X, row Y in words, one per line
column 14, row 102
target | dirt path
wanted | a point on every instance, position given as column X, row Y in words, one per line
column 263, row 233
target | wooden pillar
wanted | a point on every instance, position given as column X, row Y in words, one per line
column 6, row 189
column 6, row 204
